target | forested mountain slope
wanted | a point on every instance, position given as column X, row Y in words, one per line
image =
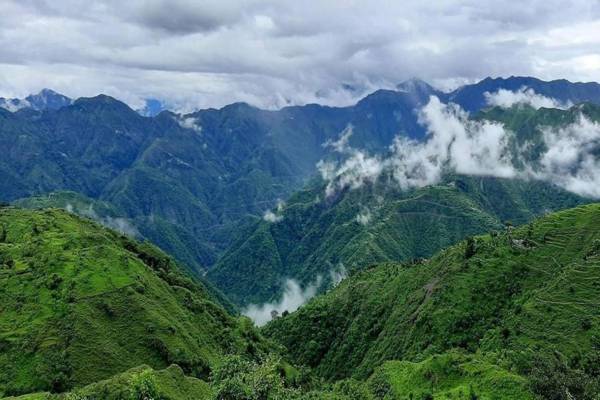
column 376, row 223
column 188, row 182
column 318, row 231
column 523, row 299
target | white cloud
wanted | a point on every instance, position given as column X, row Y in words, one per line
column 189, row 123
column 354, row 171
column 119, row 224
column 270, row 53
column 293, row 297
column 275, row 216
column 458, row 144
column 454, row 142
column 341, row 145
column 507, row 98
column 364, row 216
column 338, row 274
column 572, row 157
column 270, row 216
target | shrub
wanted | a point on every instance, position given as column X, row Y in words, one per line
column 53, row 281
column 470, row 249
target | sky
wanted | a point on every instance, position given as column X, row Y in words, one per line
column 272, row 53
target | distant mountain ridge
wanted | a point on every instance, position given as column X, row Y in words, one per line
column 470, row 97
column 194, row 183
column 46, row 99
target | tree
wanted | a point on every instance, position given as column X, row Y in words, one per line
column 470, row 249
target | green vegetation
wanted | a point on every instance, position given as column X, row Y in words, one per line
column 450, row 375
column 138, row 383
column 522, row 299
column 109, row 216
column 316, row 235
column 80, row 303
column 378, row 223
column 91, row 314
column 187, row 183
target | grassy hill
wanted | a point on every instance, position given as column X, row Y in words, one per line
column 523, row 300
column 374, row 224
column 80, row 303
column 111, row 217
column 136, row 383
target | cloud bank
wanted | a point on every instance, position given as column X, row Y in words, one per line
column 506, row 98
column 572, row 158
column 271, row 53
column 458, row 144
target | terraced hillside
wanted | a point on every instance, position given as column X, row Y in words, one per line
column 80, row 303
column 525, row 300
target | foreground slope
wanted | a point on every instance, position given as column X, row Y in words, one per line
column 80, row 303
column 524, row 299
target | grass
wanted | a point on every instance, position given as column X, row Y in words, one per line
column 451, row 375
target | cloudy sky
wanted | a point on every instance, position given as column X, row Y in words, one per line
column 195, row 54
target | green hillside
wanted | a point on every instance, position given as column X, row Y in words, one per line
column 111, row 217
column 524, row 300
column 452, row 375
column 136, row 383
column 80, row 303
column 317, row 235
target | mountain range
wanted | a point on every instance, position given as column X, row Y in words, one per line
column 191, row 180
column 418, row 244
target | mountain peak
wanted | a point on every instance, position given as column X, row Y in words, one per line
column 414, row 84
column 419, row 90
column 48, row 99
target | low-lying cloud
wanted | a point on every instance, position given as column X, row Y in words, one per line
column 293, row 297
column 506, row 98
column 189, row 123
column 338, row 274
column 364, row 216
column 572, row 158
column 275, row 215
column 119, row 224
column 458, row 144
